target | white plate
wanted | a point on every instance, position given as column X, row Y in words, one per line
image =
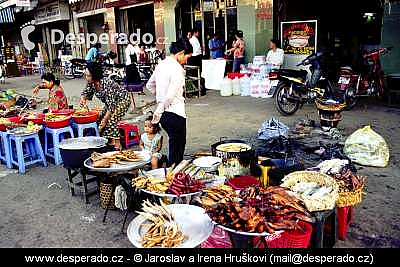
column 193, row 221
column 207, row 162
column 277, row 233
column 126, row 166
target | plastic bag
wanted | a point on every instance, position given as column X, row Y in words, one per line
column 366, row 147
column 272, row 128
column 219, row 238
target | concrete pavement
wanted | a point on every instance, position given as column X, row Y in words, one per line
column 35, row 214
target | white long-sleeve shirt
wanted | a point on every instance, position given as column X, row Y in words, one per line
column 167, row 84
column 130, row 50
column 275, row 57
column 196, row 46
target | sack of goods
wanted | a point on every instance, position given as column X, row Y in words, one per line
column 366, row 147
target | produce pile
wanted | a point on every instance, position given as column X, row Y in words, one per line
column 81, row 111
column 260, row 210
column 163, row 231
column 339, row 169
column 55, row 117
column 100, row 160
column 218, row 194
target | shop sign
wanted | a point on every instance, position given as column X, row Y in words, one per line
column 23, row 3
column 299, row 37
column 52, row 12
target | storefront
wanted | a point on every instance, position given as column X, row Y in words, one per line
column 49, row 17
column 345, row 28
column 253, row 17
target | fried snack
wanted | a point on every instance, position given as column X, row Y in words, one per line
column 218, row 194
column 151, row 184
column 105, row 161
column 163, row 230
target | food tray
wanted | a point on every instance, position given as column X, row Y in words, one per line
column 318, row 204
column 89, row 117
column 58, row 124
column 118, row 167
column 193, row 221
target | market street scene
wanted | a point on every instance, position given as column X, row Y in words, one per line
column 199, row 124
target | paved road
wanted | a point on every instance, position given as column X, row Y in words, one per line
column 33, row 214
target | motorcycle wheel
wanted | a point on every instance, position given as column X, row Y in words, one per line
column 284, row 105
column 350, row 97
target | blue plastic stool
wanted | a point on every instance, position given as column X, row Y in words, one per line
column 92, row 128
column 57, row 135
column 5, row 154
column 26, row 150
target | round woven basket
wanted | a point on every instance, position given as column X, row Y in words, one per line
column 328, row 202
column 106, row 194
column 350, row 198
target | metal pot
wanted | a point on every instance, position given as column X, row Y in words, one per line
column 75, row 151
column 245, row 157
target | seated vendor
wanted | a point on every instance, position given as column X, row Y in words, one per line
column 115, row 98
column 57, row 99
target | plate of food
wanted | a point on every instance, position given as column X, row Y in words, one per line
column 117, row 161
column 168, row 226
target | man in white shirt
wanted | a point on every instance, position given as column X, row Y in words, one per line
column 195, row 60
column 275, row 55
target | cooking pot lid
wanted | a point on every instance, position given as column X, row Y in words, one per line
column 233, row 147
column 83, row 143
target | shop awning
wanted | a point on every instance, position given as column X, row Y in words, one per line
column 89, row 5
column 120, row 3
column 7, row 15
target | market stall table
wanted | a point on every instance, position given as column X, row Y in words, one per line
column 119, row 168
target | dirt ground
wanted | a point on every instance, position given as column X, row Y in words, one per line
column 33, row 214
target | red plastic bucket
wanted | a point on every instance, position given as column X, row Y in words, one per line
column 344, row 217
column 291, row 239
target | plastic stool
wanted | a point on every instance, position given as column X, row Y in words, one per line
column 33, row 150
column 80, row 128
column 5, row 154
column 57, row 136
column 325, row 233
column 129, row 134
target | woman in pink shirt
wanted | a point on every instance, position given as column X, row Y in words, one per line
column 238, row 51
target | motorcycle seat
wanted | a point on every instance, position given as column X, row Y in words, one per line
column 346, row 69
column 294, row 73
column 78, row 61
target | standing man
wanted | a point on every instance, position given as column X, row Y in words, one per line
column 216, row 46
column 195, row 60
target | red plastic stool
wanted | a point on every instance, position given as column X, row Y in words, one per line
column 129, row 134
column 345, row 218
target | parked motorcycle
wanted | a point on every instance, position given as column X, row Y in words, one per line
column 115, row 72
column 75, row 68
column 294, row 90
column 354, row 85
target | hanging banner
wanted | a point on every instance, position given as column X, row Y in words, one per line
column 299, row 37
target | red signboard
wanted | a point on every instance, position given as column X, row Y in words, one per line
column 299, row 37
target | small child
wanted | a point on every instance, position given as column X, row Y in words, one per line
column 151, row 140
column 142, row 55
